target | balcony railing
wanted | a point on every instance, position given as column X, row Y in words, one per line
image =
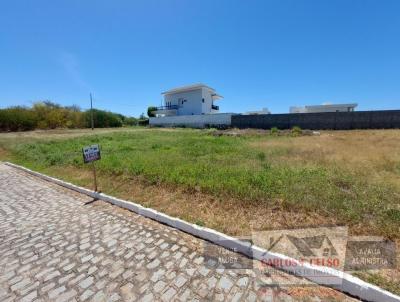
column 215, row 107
column 170, row 107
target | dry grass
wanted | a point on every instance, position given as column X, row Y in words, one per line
column 226, row 214
column 40, row 135
column 369, row 153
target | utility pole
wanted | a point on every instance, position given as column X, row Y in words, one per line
column 91, row 110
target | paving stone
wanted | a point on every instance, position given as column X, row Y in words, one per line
column 157, row 275
column 15, row 279
column 47, row 287
column 219, row 297
column 251, row 297
column 114, row 297
column 101, row 284
column 180, row 281
column 29, row 288
column 112, row 286
column 159, row 286
column 116, row 273
column 183, row 263
column 237, row 297
column 86, row 283
column 212, row 282
column 225, row 284
column 20, row 285
column 86, row 295
column 243, row 282
column 65, row 278
column 203, row 290
column 127, row 274
column 66, row 296
column 128, row 292
column 69, row 267
column 76, row 279
column 54, row 247
column 168, row 294
column 86, row 258
column 29, row 297
column 99, row 297
column 204, row 271
column 148, row 298
column 52, row 275
column 153, row 264
column 185, row 295
column 56, row 292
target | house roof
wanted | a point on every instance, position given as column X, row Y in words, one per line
column 189, row 88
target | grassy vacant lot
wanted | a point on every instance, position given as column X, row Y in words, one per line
column 338, row 177
column 233, row 183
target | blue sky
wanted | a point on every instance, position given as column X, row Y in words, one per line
column 255, row 53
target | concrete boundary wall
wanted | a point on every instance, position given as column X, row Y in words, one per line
column 348, row 283
column 384, row 119
column 194, row 121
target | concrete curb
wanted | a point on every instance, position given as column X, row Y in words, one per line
column 332, row 278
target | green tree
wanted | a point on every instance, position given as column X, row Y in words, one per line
column 17, row 119
column 131, row 121
column 102, row 119
column 50, row 115
column 150, row 111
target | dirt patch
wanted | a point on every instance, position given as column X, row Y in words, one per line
column 261, row 132
column 4, row 154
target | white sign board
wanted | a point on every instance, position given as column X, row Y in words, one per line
column 91, row 153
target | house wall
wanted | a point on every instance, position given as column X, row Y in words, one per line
column 193, row 104
column 206, row 106
column 194, row 121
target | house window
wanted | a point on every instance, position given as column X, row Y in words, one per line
column 202, row 100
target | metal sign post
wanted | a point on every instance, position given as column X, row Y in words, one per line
column 94, row 176
column 90, row 155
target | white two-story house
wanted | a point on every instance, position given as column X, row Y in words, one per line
column 196, row 99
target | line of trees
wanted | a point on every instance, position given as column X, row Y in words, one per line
column 49, row 115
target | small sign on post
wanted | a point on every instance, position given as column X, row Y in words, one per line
column 90, row 155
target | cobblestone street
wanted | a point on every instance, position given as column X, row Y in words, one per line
column 54, row 247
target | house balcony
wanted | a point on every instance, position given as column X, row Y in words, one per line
column 214, row 107
column 167, row 110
